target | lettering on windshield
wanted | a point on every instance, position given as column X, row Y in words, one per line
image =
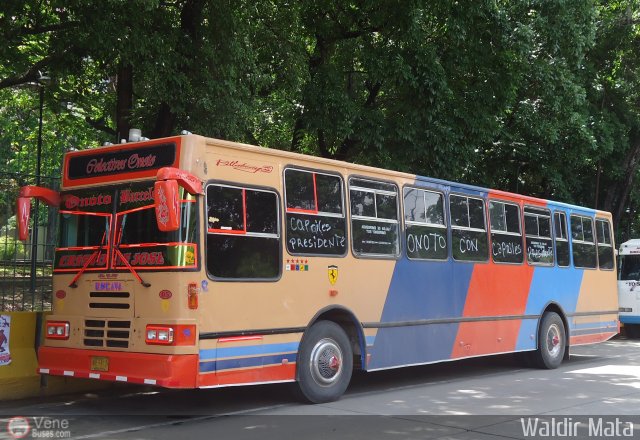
column 79, row 260
column 144, row 258
column 100, row 236
column 128, row 196
column 72, row 202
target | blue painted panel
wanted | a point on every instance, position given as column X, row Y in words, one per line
column 550, row 284
column 259, row 361
column 554, row 284
column 422, row 290
column 249, row 350
column 528, row 327
column 412, row 345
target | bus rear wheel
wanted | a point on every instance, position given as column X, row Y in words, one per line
column 552, row 342
column 325, row 363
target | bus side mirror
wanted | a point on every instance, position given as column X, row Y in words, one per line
column 166, row 196
column 24, row 212
column 48, row 196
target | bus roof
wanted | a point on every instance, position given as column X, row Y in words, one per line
column 136, row 160
column 392, row 173
column 630, row 247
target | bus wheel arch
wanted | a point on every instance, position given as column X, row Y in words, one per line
column 553, row 338
column 328, row 348
column 346, row 319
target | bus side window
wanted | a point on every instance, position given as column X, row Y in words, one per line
column 506, row 235
column 426, row 229
column 537, row 228
column 582, row 243
column 374, row 218
column 316, row 224
column 605, row 246
column 468, row 229
column 243, row 233
column 562, row 241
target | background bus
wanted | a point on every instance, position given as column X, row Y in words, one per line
column 192, row 262
column 629, row 286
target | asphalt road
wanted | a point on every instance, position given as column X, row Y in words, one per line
column 596, row 394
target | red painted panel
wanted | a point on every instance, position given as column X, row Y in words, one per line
column 498, row 289
column 172, row 371
column 486, row 337
column 273, row 373
column 495, row 290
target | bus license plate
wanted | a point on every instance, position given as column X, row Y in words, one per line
column 99, row 363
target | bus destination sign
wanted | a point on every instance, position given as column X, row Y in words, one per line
column 100, row 163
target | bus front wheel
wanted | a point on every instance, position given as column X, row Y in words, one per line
column 325, row 363
column 552, row 342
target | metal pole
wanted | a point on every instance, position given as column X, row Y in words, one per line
column 34, row 243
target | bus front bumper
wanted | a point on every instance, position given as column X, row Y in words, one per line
column 170, row 371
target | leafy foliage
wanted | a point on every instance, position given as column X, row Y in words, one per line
column 530, row 96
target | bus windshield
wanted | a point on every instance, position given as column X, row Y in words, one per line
column 118, row 223
column 629, row 268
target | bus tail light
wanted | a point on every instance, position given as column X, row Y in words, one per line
column 156, row 334
column 193, row 296
column 57, row 330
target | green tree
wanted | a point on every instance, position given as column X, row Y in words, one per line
column 531, row 96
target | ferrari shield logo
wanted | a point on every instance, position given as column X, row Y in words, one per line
column 333, row 274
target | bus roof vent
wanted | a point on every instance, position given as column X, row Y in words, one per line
column 135, row 134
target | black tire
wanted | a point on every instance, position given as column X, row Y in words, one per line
column 552, row 342
column 325, row 363
column 632, row 331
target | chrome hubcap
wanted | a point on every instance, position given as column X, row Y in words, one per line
column 554, row 344
column 326, row 362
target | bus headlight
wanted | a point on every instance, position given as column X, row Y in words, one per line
column 175, row 334
column 57, row 330
column 152, row 335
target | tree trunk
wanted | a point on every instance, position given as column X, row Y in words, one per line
column 124, row 105
column 165, row 121
column 191, row 17
column 617, row 195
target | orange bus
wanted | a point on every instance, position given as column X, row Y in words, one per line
column 190, row 262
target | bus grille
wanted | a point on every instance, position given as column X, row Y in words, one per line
column 106, row 333
column 109, row 300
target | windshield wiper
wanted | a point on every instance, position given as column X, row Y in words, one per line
column 116, row 249
column 93, row 257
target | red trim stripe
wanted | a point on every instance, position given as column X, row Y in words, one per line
column 272, row 373
column 240, row 338
column 244, row 210
column 315, row 200
column 315, row 192
column 591, row 339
